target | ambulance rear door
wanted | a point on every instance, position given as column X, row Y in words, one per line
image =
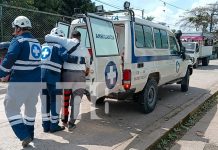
column 106, row 58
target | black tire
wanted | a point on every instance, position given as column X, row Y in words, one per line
column 205, row 61
column 185, row 82
column 100, row 101
column 148, row 97
column 136, row 97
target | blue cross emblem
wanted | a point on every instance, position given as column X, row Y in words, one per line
column 46, row 51
column 35, row 51
column 111, row 75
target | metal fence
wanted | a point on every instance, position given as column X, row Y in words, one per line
column 42, row 22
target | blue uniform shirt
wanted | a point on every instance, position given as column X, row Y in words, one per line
column 22, row 60
column 52, row 59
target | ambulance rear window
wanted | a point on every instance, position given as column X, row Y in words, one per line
column 84, row 36
column 104, row 37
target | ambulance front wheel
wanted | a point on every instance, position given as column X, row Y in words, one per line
column 185, row 82
column 195, row 65
column 148, row 98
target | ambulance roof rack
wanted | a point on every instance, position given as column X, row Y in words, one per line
column 129, row 11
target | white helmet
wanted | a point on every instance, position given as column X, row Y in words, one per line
column 57, row 32
column 21, row 21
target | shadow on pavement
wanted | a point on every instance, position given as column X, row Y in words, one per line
column 122, row 123
column 209, row 67
column 47, row 144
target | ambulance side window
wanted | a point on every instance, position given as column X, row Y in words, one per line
column 149, row 41
column 164, row 39
column 174, row 49
column 143, row 36
column 161, row 38
column 157, row 38
column 139, row 36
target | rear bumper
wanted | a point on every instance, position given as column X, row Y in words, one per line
column 121, row 95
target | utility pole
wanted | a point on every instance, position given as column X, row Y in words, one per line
column 211, row 16
column 211, row 19
column 143, row 17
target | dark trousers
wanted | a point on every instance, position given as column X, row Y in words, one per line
column 50, row 107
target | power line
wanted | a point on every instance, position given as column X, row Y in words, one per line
column 108, row 4
column 172, row 5
column 118, row 7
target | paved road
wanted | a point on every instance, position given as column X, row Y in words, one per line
column 122, row 125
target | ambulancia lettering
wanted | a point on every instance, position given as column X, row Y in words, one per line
column 102, row 36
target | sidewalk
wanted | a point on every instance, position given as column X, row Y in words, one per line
column 203, row 136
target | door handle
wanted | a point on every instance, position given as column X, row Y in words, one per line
column 140, row 65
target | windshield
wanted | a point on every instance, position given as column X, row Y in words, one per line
column 189, row 46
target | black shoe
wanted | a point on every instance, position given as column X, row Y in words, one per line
column 46, row 130
column 71, row 126
column 26, row 141
column 58, row 128
column 32, row 136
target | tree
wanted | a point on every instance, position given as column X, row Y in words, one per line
column 67, row 6
column 48, row 5
column 200, row 18
column 149, row 18
column 20, row 3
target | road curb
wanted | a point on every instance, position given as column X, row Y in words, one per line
column 144, row 141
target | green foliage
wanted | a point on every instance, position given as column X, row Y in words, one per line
column 63, row 7
column 42, row 23
column 20, row 3
column 48, row 5
column 67, row 6
column 200, row 18
column 149, row 18
column 41, row 27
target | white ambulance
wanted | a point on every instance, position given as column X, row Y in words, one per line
column 130, row 56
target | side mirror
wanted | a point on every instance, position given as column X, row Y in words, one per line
column 197, row 50
column 182, row 52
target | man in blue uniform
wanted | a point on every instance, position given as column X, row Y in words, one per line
column 22, row 62
column 53, row 57
column 74, row 76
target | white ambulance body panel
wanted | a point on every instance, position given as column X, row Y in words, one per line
column 127, row 54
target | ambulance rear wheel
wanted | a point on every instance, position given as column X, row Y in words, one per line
column 148, row 98
column 100, row 101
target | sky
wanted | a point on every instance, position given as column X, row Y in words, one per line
column 156, row 8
